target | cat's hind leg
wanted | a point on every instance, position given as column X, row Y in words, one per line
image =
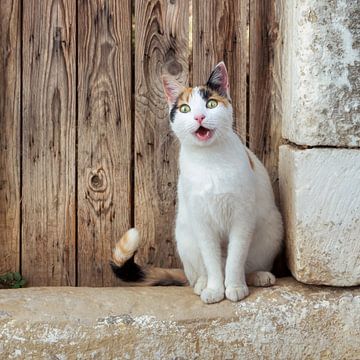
column 200, row 284
column 260, row 279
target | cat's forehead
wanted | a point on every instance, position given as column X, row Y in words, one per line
column 201, row 92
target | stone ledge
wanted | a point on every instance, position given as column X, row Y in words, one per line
column 287, row 321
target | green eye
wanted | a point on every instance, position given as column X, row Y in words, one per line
column 211, row 104
column 184, row 108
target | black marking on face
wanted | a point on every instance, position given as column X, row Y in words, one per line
column 129, row 272
column 173, row 111
column 205, row 93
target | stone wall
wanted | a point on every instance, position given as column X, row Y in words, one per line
column 320, row 167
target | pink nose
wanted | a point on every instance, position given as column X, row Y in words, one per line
column 199, row 118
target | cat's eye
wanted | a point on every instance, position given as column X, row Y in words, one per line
column 212, row 103
column 184, row 108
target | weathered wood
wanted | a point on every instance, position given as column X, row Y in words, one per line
column 265, row 84
column 48, row 231
column 104, row 135
column 107, row 146
column 9, row 135
column 161, row 47
column 220, row 33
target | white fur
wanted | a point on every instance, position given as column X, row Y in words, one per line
column 133, row 240
column 227, row 222
column 130, row 243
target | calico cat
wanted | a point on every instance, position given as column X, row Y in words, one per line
column 228, row 228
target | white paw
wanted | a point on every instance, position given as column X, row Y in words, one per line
column 236, row 293
column 210, row 296
column 200, row 285
column 262, row 278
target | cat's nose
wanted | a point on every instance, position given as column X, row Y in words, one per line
column 199, row 118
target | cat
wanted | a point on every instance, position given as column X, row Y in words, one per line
column 228, row 228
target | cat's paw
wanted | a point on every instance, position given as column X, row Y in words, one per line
column 236, row 293
column 260, row 278
column 210, row 296
column 200, row 285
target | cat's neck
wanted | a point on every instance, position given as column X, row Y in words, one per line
column 220, row 149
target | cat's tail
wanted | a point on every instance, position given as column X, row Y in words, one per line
column 125, row 268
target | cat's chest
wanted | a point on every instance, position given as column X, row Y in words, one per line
column 211, row 180
column 214, row 185
column 210, row 198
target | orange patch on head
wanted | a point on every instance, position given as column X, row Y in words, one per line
column 220, row 99
column 184, row 97
column 211, row 94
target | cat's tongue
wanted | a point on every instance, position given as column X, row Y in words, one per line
column 203, row 133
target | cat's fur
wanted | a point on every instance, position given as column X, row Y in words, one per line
column 227, row 223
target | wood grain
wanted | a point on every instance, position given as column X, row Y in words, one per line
column 220, row 33
column 265, row 84
column 84, row 143
column 9, row 135
column 161, row 47
column 48, row 231
column 104, row 135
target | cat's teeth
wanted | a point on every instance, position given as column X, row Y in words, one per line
column 203, row 134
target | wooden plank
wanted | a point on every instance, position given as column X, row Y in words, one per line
column 161, row 47
column 104, row 141
column 9, row 135
column 220, row 33
column 48, row 231
column 265, row 111
column 265, row 84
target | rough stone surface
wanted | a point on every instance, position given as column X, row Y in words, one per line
column 287, row 321
column 320, row 194
column 321, row 91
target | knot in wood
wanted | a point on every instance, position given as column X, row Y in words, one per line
column 97, row 180
column 173, row 67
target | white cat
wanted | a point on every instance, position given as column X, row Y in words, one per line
column 228, row 228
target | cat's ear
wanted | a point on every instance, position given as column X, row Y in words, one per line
column 219, row 80
column 172, row 89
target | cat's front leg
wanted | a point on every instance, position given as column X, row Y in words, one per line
column 239, row 242
column 209, row 244
column 190, row 255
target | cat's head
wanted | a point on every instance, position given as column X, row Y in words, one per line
column 200, row 115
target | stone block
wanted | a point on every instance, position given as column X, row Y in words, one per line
column 321, row 82
column 320, row 196
column 287, row 321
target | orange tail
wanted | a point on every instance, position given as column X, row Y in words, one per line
column 125, row 268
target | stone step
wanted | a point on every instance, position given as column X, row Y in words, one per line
column 287, row 321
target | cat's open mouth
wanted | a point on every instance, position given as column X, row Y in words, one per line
column 203, row 134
